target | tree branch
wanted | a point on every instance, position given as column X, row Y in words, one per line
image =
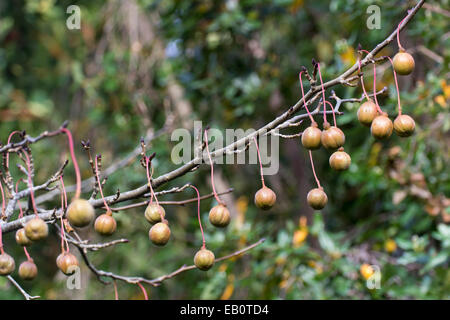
column 157, row 281
column 309, row 98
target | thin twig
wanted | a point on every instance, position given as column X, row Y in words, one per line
column 22, row 291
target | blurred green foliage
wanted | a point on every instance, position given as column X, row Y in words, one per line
column 237, row 63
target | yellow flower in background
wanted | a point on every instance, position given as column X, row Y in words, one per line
column 229, row 289
column 319, row 269
column 348, row 56
column 301, row 233
column 295, row 5
column 316, row 266
column 445, row 89
column 241, row 207
column 303, row 222
column 223, row 267
column 374, row 152
column 280, row 260
column 443, row 99
column 390, row 245
column 366, row 271
column 335, row 255
column 311, row 263
column 269, row 271
column 440, row 100
column 299, row 237
column 283, row 284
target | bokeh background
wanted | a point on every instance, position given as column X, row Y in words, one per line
column 142, row 67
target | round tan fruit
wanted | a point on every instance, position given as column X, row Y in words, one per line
column 366, row 113
column 219, row 216
column 403, row 63
column 204, row 259
column 80, row 213
column 265, row 198
column 340, row 160
column 381, row 127
column 28, row 270
column 105, row 224
column 22, row 239
column 317, row 198
column 404, row 125
column 160, row 233
column 36, row 229
column 67, row 263
column 153, row 213
column 333, row 138
column 311, row 137
column 7, row 264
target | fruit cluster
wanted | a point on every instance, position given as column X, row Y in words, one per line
column 80, row 213
column 369, row 114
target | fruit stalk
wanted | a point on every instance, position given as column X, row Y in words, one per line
column 64, row 194
column 260, row 162
column 400, row 47
column 396, row 86
column 3, row 200
column 1, row 240
column 362, row 80
column 143, row 290
column 324, row 100
column 18, row 202
column 212, row 169
column 30, row 182
column 303, row 97
column 375, row 87
column 313, row 170
column 374, row 83
column 27, row 254
column 9, row 140
column 149, row 179
column 74, row 160
column 116, row 293
column 198, row 214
